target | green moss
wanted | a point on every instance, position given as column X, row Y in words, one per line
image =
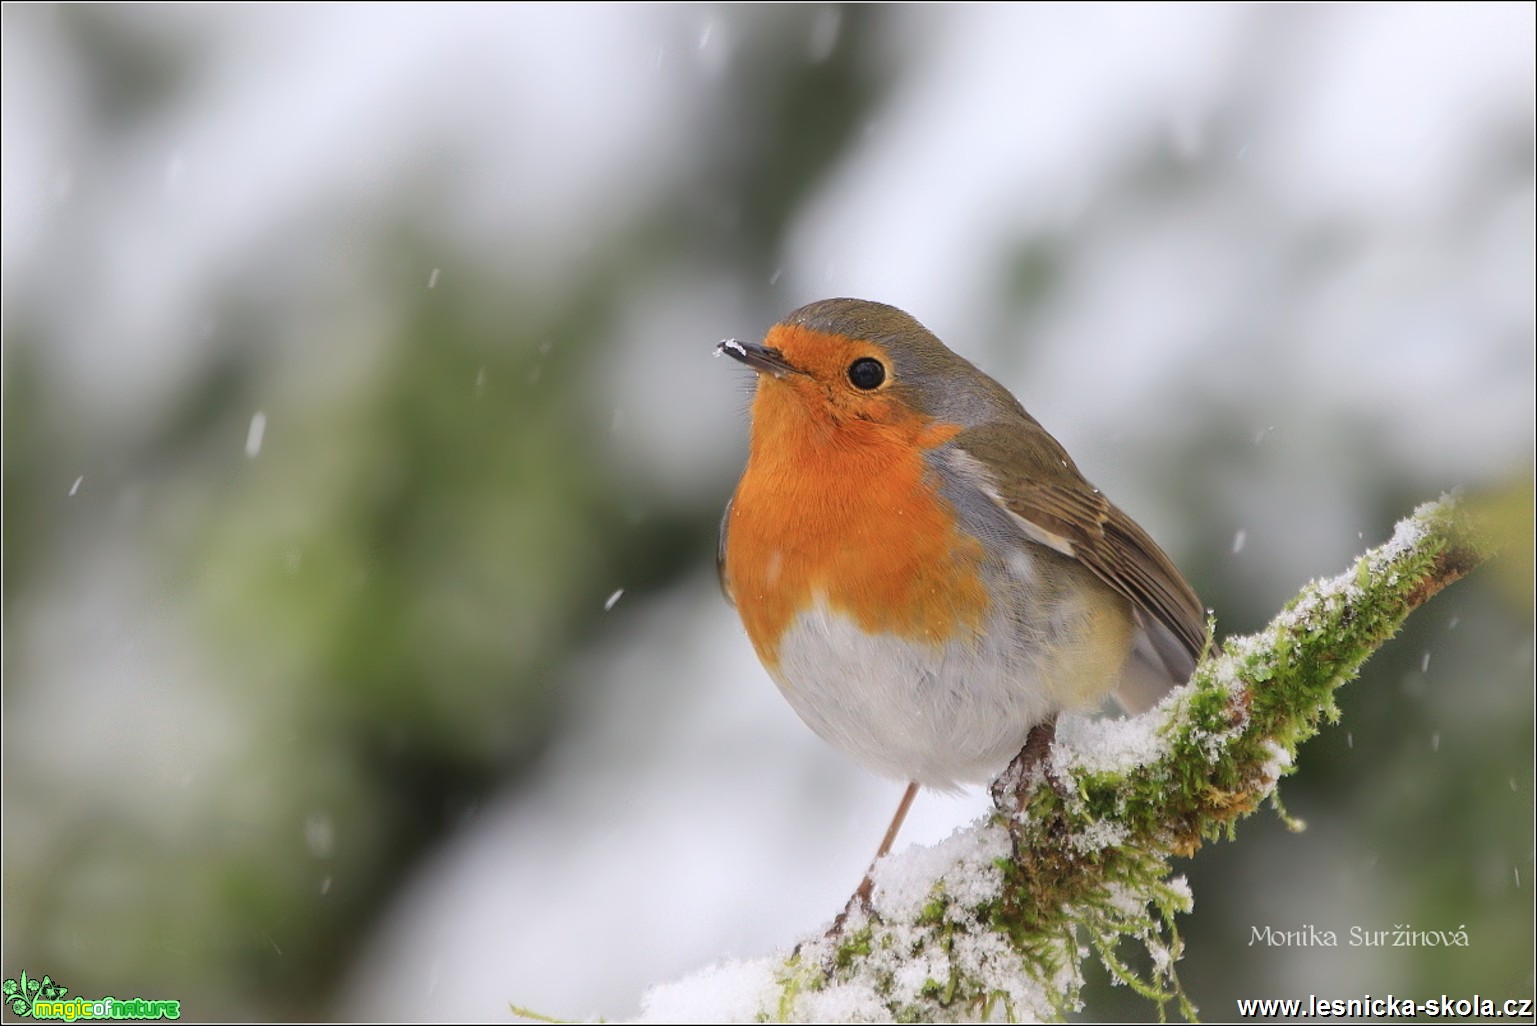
column 854, row 947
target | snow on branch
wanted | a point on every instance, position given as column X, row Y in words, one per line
column 997, row 921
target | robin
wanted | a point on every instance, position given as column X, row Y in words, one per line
column 921, row 568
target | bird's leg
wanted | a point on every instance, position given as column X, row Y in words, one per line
column 1011, row 783
column 861, row 896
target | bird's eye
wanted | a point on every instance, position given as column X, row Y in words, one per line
column 866, row 374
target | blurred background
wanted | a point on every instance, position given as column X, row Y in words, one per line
column 363, row 456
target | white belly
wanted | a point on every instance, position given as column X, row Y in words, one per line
column 942, row 716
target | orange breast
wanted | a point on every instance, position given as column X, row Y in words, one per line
column 844, row 510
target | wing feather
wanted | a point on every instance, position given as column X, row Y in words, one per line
column 720, row 558
column 1054, row 506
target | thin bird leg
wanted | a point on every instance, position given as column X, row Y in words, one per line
column 861, row 898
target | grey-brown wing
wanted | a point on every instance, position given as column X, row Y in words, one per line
column 720, row 557
column 1056, row 507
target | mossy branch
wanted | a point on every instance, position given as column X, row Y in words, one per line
column 998, row 920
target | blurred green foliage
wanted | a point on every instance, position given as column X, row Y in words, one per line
column 392, row 587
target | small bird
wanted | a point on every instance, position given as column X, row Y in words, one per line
column 921, row 568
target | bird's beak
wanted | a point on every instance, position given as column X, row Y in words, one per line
column 761, row 358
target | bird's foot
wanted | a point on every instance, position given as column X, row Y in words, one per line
column 1013, row 784
column 859, row 901
column 859, row 905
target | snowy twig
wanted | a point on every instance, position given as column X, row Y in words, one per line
column 998, row 920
